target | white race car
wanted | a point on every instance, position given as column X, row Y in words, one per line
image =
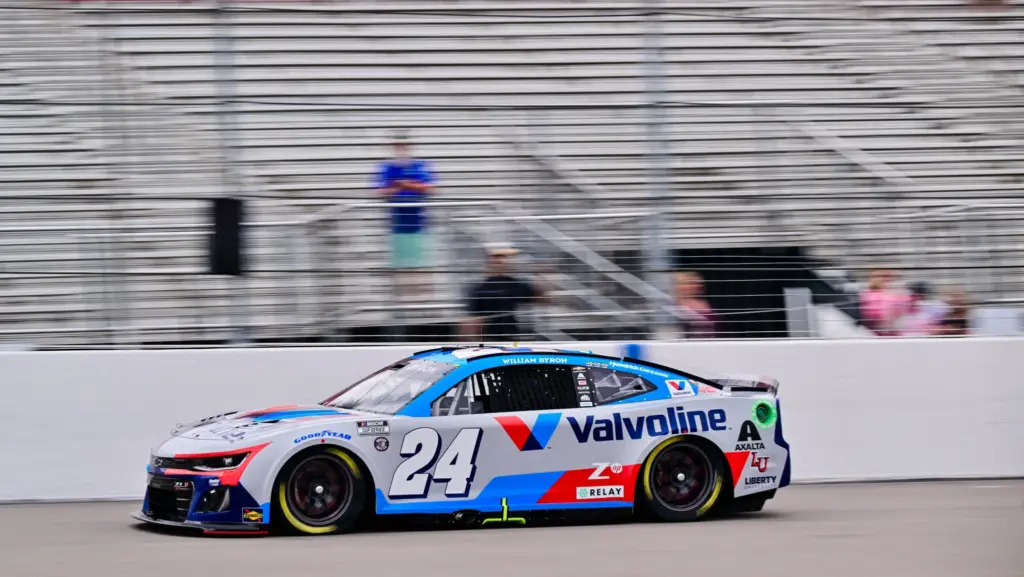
column 485, row 435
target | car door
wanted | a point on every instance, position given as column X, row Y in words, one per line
column 484, row 442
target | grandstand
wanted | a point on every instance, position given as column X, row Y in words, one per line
column 865, row 132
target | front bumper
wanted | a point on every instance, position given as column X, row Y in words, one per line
column 207, row 528
column 201, row 501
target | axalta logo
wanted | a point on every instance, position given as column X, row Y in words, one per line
column 323, row 434
column 530, row 438
column 676, row 420
column 749, row 439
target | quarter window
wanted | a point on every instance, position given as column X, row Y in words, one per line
column 613, row 386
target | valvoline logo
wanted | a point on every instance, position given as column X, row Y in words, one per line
column 527, row 438
column 676, row 420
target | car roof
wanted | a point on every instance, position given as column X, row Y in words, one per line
column 461, row 355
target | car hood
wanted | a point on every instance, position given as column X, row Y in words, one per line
column 236, row 426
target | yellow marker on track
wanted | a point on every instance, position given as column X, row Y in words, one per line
column 504, row 516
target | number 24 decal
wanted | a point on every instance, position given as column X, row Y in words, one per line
column 456, row 467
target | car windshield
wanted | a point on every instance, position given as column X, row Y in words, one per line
column 391, row 388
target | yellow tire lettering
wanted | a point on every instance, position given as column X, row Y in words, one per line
column 714, row 496
column 649, row 490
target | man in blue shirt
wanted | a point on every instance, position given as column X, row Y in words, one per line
column 406, row 180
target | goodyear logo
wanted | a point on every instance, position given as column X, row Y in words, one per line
column 323, row 434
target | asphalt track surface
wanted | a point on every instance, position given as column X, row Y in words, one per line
column 934, row 529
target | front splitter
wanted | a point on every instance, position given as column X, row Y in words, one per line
column 206, row 528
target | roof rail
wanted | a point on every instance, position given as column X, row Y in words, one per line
column 649, row 364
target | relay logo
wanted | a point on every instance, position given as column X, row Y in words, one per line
column 530, row 439
column 676, row 420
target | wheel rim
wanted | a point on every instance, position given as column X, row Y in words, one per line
column 682, row 477
column 319, row 490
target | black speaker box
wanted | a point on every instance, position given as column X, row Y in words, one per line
column 226, row 242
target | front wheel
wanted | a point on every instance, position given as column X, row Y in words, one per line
column 320, row 493
column 682, row 481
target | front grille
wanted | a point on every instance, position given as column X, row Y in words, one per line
column 169, row 498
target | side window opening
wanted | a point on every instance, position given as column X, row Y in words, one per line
column 613, row 386
column 527, row 388
column 509, row 389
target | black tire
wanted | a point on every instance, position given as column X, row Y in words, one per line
column 682, row 481
column 320, row 493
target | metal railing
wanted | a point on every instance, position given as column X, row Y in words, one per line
column 573, row 190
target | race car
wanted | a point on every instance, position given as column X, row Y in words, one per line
column 487, row 434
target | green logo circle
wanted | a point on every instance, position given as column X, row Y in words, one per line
column 764, row 414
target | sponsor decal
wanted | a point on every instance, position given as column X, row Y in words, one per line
column 597, row 364
column 181, row 485
column 676, row 420
column 582, row 388
column 215, row 482
column 637, row 368
column 585, row 397
column 749, row 439
column 759, row 482
column 586, row 404
column 604, row 492
column 322, row 435
column 252, row 515
column 375, row 428
column 707, row 389
column 601, row 471
column 518, row 360
column 680, row 388
column 759, row 463
column 381, row 444
column 530, row 438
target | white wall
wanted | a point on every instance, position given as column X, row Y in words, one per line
column 80, row 424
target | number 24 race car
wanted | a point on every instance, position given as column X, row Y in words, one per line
column 484, row 434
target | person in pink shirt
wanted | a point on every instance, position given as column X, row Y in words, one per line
column 882, row 306
column 696, row 317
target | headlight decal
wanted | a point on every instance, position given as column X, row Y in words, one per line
column 228, row 466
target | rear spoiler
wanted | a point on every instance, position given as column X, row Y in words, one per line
column 749, row 384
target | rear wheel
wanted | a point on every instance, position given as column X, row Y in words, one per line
column 682, row 481
column 320, row 492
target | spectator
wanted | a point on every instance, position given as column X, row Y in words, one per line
column 957, row 320
column 696, row 317
column 924, row 314
column 880, row 305
column 494, row 301
column 406, row 180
